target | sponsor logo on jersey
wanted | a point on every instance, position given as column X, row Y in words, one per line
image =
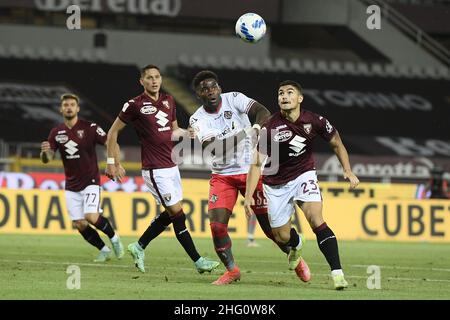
column 162, row 118
column 163, row 129
column 297, row 145
column 167, row 196
column 71, row 149
column 214, row 198
column 80, row 134
column 147, row 102
column 61, row 131
column 227, row 114
column 281, row 127
column 148, row 109
column 61, row 138
column 166, row 104
column 307, row 127
column 100, row 132
column 282, row 136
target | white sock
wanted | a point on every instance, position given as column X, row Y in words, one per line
column 106, row 249
column 300, row 243
column 337, row 272
column 115, row 238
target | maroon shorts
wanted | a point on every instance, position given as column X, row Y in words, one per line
column 223, row 192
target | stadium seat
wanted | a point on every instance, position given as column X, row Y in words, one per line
column 3, row 52
column 15, row 51
column 444, row 73
column 29, row 52
column 336, row 67
column 280, row 64
column 254, row 63
column 184, row 60
column 295, row 65
column 323, row 67
column 43, row 53
column 350, row 68
column 267, row 64
column 308, row 66
column 211, row 61
column 241, row 63
column 72, row 54
column 362, row 68
column 57, row 53
column 377, row 69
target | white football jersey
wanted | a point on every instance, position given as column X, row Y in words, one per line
column 227, row 121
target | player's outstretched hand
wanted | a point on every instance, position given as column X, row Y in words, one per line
column 111, row 171
column 192, row 133
column 354, row 181
column 120, row 172
column 248, row 203
column 45, row 146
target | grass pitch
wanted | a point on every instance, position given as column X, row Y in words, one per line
column 34, row 267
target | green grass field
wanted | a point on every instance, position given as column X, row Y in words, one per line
column 34, row 267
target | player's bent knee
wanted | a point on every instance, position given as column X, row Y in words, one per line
column 91, row 217
column 80, row 225
column 218, row 229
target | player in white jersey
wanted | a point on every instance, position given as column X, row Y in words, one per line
column 222, row 125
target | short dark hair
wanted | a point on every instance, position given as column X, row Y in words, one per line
column 149, row 66
column 66, row 96
column 202, row 75
column 291, row 83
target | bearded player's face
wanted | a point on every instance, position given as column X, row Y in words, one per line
column 69, row 108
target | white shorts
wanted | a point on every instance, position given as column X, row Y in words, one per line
column 83, row 202
column 280, row 199
column 164, row 184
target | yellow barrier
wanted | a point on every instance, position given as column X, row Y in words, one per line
column 43, row 212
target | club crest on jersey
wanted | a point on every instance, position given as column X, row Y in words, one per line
column 80, row 134
column 167, row 196
column 148, row 109
column 282, row 136
column 214, row 198
column 227, row 114
column 166, row 104
column 307, row 127
column 61, row 138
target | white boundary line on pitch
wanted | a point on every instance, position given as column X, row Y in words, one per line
column 269, row 273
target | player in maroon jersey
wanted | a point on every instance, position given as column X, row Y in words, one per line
column 153, row 115
column 290, row 176
column 76, row 140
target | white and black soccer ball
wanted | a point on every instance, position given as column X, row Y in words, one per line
column 250, row 27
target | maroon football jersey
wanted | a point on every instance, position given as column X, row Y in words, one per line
column 294, row 143
column 77, row 149
column 152, row 121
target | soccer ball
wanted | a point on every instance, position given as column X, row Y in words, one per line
column 250, row 27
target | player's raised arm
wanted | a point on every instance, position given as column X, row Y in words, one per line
column 252, row 182
column 112, row 149
column 47, row 153
column 342, row 154
column 260, row 113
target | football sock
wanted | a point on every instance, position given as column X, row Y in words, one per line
column 183, row 235
column 263, row 220
column 156, row 227
column 222, row 244
column 103, row 224
column 251, row 228
column 294, row 241
column 328, row 245
column 92, row 236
